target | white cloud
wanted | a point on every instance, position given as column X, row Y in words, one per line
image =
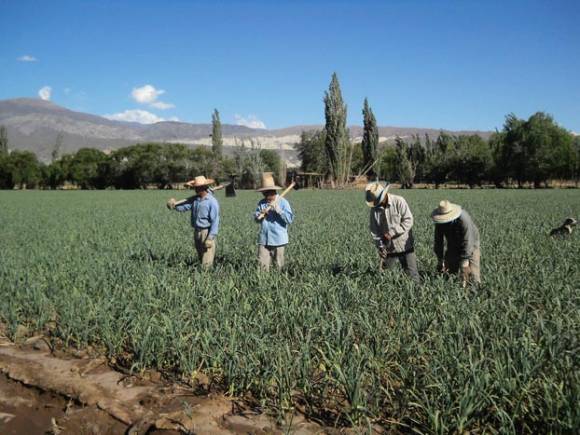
column 161, row 105
column 27, row 58
column 149, row 95
column 250, row 121
column 146, row 94
column 45, row 92
column 137, row 115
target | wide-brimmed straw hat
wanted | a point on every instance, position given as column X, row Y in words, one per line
column 446, row 212
column 375, row 193
column 200, row 181
column 268, row 183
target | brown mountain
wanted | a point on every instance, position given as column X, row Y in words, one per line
column 35, row 124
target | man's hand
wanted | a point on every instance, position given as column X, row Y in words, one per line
column 208, row 244
column 383, row 253
column 277, row 208
column 387, row 236
column 441, row 268
column 465, row 272
column 171, row 203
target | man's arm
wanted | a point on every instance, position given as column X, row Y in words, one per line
column 374, row 226
column 467, row 237
column 438, row 242
column 284, row 210
column 258, row 212
column 184, row 206
column 406, row 222
column 214, row 216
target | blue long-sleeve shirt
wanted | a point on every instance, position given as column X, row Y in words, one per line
column 205, row 213
column 274, row 227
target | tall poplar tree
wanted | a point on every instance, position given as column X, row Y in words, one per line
column 336, row 143
column 3, row 140
column 370, row 141
column 217, row 142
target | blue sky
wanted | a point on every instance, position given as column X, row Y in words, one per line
column 439, row 64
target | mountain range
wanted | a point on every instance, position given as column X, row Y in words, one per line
column 36, row 125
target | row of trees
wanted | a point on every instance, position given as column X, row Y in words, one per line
column 529, row 151
column 161, row 165
column 524, row 152
column 136, row 166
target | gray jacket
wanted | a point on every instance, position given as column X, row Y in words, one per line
column 396, row 219
column 462, row 238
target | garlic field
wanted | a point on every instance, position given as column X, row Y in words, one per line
column 330, row 337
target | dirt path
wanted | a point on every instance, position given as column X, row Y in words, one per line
column 40, row 393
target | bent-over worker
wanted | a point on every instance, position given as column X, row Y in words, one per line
column 391, row 223
column 455, row 226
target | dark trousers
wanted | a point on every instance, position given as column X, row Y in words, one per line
column 408, row 262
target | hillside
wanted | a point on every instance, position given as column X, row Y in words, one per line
column 35, row 124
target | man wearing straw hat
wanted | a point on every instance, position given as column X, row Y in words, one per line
column 454, row 225
column 274, row 214
column 391, row 223
column 205, row 218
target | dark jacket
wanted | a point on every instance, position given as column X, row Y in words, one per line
column 462, row 238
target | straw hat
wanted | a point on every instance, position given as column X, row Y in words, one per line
column 446, row 212
column 268, row 182
column 200, row 181
column 375, row 193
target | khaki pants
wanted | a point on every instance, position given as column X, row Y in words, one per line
column 453, row 265
column 205, row 255
column 265, row 255
column 407, row 260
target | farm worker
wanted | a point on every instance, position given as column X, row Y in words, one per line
column 205, row 218
column 274, row 214
column 463, row 254
column 391, row 221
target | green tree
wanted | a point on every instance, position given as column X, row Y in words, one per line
column 437, row 156
column 85, row 168
column 311, row 151
column 273, row 163
column 370, row 141
column 417, row 156
column 22, row 170
column 56, row 150
column 203, row 162
column 471, row 160
column 387, row 164
column 534, row 150
column 137, row 165
column 337, row 142
column 576, row 164
column 405, row 170
column 249, row 165
column 216, row 134
column 3, row 141
column 175, row 164
column 57, row 172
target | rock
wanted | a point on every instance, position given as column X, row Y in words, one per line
column 21, row 333
column 5, row 417
column 42, row 345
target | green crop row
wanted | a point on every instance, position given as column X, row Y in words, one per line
column 331, row 337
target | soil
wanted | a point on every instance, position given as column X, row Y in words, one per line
column 55, row 393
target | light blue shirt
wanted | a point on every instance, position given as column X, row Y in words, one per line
column 274, row 227
column 205, row 213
